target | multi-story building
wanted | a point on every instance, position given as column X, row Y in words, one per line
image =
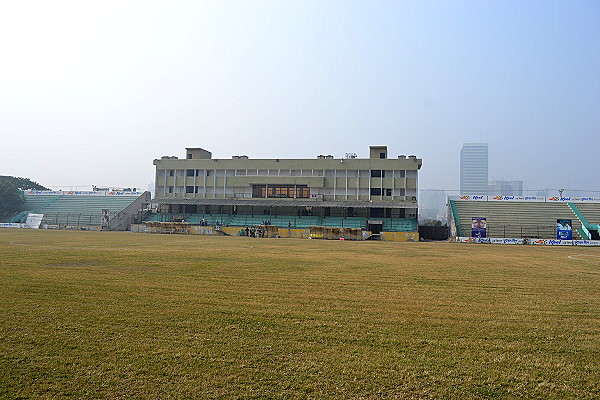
column 474, row 169
column 378, row 194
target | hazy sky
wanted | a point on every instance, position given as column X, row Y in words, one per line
column 92, row 92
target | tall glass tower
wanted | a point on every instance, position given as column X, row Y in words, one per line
column 474, row 169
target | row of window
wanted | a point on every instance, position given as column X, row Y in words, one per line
column 290, row 191
column 374, row 173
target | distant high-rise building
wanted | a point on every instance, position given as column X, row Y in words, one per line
column 506, row 188
column 474, row 168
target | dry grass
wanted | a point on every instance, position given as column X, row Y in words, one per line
column 121, row 315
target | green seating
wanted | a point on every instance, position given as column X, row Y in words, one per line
column 76, row 210
column 516, row 219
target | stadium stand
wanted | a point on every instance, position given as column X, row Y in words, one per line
column 282, row 221
column 67, row 209
column 518, row 219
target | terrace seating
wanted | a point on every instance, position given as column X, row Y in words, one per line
column 76, row 210
column 32, row 203
column 399, row 224
column 591, row 212
column 516, row 219
column 285, row 221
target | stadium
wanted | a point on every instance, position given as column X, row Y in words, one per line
column 330, row 198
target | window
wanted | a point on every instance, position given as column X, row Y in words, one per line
column 170, row 189
column 171, row 172
column 281, row 191
column 381, row 155
column 375, row 191
column 189, row 156
column 377, row 173
column 189, row 172
column 388, row 192
column 189, row 189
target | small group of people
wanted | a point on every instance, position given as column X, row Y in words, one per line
column 254, row 231
column 204, row 222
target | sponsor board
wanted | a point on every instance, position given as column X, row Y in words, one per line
column 574, row 199
column 507, row 241
column 517, row 198
column 491, row 240
column 11, row 225
column 551, row 242
column 539, row 199
column 123, row 193
column 80, row 193
column 472, row 197
column 543, row 242
column 42, row 192
column 474, row 240
column 586, row 242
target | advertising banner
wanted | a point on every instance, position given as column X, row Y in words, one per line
column 104, row 219
column 551, row 242
column 517, row 198
column 11, row 225
column 478, row 227
column 538, row 199
column 564, row 230
column 573, row 199
column 586, row 242
column 507, row 241
column 474, row 240
column 81, row 193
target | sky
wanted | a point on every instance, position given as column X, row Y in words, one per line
column 92, row 92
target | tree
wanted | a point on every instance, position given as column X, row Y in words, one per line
column 11, row 198
column 23, row 183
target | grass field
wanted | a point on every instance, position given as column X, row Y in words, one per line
column 123, row 315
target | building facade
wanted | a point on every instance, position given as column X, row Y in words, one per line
column 474, row 169
column 374, row 190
